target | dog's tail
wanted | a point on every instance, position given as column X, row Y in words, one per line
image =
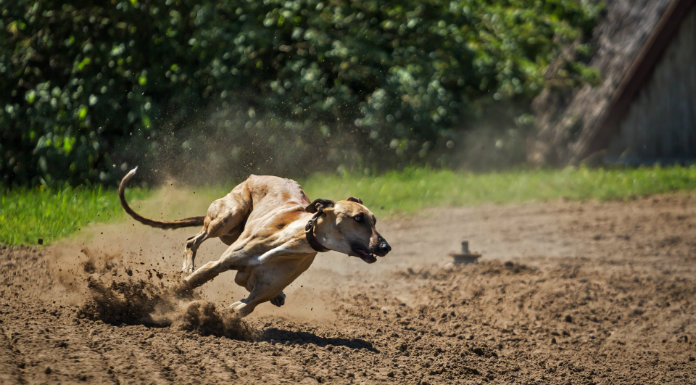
column 186, row 222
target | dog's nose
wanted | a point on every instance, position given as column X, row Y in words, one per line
column 384, row 247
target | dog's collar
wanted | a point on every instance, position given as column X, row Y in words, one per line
column 309, row 233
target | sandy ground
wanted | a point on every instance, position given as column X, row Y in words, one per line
column 565, row 292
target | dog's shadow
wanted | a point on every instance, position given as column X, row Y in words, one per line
column 275, row 335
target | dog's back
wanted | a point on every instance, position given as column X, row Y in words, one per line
column 274, row 201
column 272, row 191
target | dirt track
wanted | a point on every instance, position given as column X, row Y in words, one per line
column 565, row 293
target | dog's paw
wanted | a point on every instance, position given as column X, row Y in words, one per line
column 182, row 290
column 279, row 300
column 241, row 309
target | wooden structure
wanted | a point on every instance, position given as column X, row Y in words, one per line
column 645, row 109
column 656, row 114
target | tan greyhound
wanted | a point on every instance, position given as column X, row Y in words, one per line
column 273, row 233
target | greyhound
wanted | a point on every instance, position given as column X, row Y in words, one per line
column 273, row 233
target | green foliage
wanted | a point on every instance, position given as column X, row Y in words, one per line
column 30, row 214
column 91, row 86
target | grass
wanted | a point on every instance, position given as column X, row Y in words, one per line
column 44, row 215
column 29, row 214
column 412, row 189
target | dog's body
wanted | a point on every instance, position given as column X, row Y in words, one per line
column 274, row 233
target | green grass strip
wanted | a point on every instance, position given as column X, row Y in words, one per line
column 412, row 189
column 50, row 214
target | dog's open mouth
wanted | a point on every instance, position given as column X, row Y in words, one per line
column 364, row 254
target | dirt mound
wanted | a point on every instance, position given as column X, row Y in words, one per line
column 130, row 302
column 492, row 267
column 203, row 318
column 144, row 302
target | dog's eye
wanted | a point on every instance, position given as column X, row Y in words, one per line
column 359, row 218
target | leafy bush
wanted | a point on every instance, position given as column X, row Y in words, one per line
column 238, row 86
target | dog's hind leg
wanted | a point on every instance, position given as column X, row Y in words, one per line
column 245, row 306
column 245, row 279
column 279, row 300
column 225, row 219
column 269, row 287
column 262, row 288
column 262, row 292
column 192, row 244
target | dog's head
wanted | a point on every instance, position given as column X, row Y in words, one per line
column 349, row 227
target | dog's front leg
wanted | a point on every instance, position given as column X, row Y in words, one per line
column 231, row 257
column 204, row 274
column 236, row 255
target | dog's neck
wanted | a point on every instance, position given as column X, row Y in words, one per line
column 310, row 229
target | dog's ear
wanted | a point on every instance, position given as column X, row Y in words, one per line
column 319, row 205
column 354, row 199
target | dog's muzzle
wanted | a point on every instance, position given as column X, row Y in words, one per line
column 383, row 248
column 370, row 255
